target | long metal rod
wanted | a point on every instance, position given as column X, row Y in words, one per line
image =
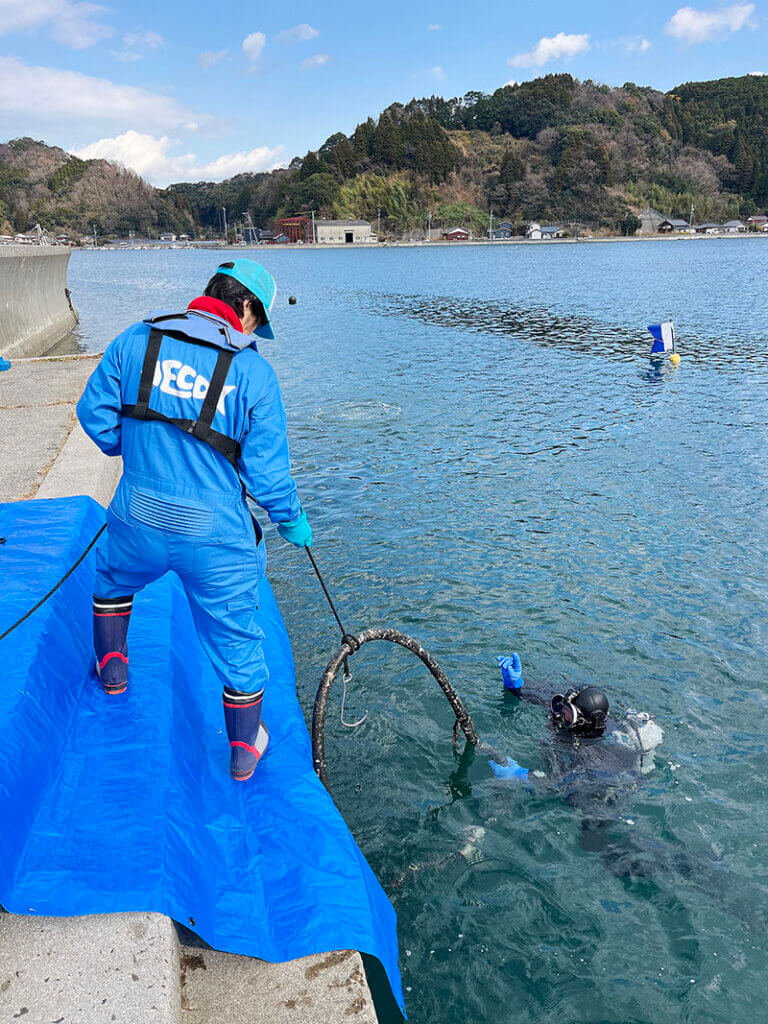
column 328, row 597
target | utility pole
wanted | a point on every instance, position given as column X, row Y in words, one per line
column 691, row 220
column 95, row 240
column 224, row 211
column 378, row 223
column 490, row 225
column 314, row 236
column 429, row 226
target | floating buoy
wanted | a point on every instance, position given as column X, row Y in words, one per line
column 674, row 358
column 291, row 300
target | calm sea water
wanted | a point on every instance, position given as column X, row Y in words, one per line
column 490, row 463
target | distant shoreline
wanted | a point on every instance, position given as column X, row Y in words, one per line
column 436, row 243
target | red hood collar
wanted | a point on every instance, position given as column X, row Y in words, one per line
column 206, row 304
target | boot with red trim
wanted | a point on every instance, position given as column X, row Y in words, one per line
column 111, row 616
column 248, row 736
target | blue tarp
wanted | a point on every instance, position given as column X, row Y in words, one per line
column 126, row 804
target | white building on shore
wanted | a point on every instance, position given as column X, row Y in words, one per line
column 344, row 232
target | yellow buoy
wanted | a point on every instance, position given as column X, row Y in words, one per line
column 674, row 358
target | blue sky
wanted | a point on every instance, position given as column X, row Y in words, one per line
column 183, row 93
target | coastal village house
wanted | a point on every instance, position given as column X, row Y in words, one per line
column 344, row 232
column 758, row 223
column 537, row 232
column 456, row 235
column 734, row 226
column 503, row 230
column 707, row 228
column 673, row 224
column 650, row 221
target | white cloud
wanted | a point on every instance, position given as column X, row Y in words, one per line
column 46, row 95
column 143, row 40
column 551, row 48
column 692, row 26
column 434, row 28
column 76, row 25
column 513, row 82
column 437, row 72
column 125, row 56
column 297, row 34
column 636, row 44
column 315, row 62
column 253, row 45
column 757, row 74
column 150, row 157
column 134, row 42
column 207, row 59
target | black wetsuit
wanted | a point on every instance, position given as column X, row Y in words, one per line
column 596, row 775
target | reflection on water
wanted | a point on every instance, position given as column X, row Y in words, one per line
column 490, row 462
column 544, row 326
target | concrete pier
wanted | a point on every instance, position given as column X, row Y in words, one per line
column 134, row 967
column 35, row 308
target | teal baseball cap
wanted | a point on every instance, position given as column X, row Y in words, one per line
column 256, row 279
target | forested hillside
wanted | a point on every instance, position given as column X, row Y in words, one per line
column 553, row 149
column 550, row 149
column 44, row 184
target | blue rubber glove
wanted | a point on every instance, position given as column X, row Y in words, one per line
column 511, row 671
column 297, row 531
column 4, row 364
column 510, row 770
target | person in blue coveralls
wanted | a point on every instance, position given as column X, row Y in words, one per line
column 197, row 415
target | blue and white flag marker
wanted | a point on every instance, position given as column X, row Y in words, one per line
column 663, row 337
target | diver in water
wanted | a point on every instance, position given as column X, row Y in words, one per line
column 594, row 759
column 596, row 762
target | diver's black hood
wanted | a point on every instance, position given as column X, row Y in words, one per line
column 593, row 704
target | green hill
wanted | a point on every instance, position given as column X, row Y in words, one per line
column 553, row 149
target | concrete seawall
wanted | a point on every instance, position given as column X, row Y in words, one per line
column 35, row 311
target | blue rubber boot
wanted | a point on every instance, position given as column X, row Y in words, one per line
column 248, row 736
column 111, row 616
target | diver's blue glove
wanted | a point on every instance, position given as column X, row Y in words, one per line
column 297, row 531
column 511, row 671
column 510, row 770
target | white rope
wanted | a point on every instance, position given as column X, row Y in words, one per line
column 346, row 677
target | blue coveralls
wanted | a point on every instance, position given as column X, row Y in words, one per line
column 179, row 504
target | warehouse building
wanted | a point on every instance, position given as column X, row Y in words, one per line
column 344, row 232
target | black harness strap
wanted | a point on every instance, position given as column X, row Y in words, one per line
column 227, row 446
column 147, row 374
column 201, row 427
